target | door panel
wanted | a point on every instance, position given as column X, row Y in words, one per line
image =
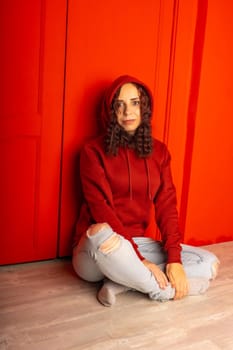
column 31, row 104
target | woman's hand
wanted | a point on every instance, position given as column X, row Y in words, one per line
column 177, row 277
column 159, row 275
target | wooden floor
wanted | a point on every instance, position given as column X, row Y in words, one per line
column 44, row 306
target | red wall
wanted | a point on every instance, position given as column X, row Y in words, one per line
column 56, row 60
column 202, row 105
column 172, row 50
column 210, row 195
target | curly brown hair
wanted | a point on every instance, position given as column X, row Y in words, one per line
column 117, row 137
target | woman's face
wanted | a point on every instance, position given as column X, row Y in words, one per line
column 127, row 108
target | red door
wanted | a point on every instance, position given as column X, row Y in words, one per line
column 31, row 104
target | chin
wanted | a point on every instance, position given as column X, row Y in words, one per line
column 130, row 132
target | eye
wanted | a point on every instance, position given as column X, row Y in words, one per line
column 136, row 102
column 119, row 106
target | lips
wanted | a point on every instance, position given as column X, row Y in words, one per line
column 128, row 120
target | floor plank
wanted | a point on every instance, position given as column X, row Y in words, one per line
column 44, row 305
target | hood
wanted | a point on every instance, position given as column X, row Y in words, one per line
column 110, row 92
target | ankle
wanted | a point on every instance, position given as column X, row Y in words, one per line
column 106, row 297
column 107, row 294
column 214, row 269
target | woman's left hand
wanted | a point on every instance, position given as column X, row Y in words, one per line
column 177, row 277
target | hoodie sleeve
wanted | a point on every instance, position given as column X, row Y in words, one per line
column 166, row 212
column 98, row 193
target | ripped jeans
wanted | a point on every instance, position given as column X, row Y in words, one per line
column 122, row 265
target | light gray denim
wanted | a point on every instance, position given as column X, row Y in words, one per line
column 123, row 266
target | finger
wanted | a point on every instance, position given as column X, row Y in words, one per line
column 180, row 293
column 162, row 283
column 163, row 278
column 172, row 281
column 187, row 289
column 184, row 288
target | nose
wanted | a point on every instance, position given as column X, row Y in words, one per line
column 127, row 109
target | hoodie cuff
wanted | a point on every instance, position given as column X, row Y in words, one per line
column 174, row 255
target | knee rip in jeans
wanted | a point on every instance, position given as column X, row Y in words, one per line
column 110, row 244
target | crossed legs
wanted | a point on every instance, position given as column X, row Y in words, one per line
column 102, row 253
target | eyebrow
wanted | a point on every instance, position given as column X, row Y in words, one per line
column 132, row 99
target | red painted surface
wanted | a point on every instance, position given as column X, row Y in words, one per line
column 198, row 45
column 106, row 39
column 200, row 123
column 210, row 199
column 31, row 102
column 180, row 49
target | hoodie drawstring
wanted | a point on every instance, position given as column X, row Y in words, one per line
column 130, row 177
column 148, row 179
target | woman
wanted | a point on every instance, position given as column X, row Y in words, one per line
column 125, row 172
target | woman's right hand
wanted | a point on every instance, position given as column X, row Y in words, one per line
column 159, row 275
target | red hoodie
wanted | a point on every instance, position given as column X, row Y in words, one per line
column 120, row 190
